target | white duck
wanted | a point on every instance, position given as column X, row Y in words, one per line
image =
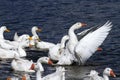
column 20, row 64
column 6, row 44
column 107, row 72
column 11, row 53
column 55, row 51
column 20, row 38
column 2, row 39
column 34, row 35
column 23, row 38
column 58, row 75
column 44, row 46
column 80, row 51
column 33, row 30
column 37, row 43
column 20, row 49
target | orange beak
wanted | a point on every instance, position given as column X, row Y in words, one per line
column 8, row 78
column 112, row 73
column 83, row 24
column 30, row 38
column 99, row 49
column 39, row 30
column 32, row 67
column 50, row 62
column 7, row 30
column 24, row 78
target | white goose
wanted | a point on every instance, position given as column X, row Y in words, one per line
column 58, row 75
column 34, row 35
column 2, row 39
column 87, row 46
column 33, row 30
column 6, row 44
column 23, row 38
column 11, row 53
column 37, row 43
column 20, row 64
column 80, row 51
column 107, row 72
column 44, row 46
column 55, row 51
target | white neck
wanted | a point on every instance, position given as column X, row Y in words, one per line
column 1, row 34
column 64, row 39
column 105, row 77
column 38, row 75
column 72, row 35
column 72, row 39
column 34, row 32
column 40, row 65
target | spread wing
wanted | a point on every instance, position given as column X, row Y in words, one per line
column 90, row 42
column 85, row 32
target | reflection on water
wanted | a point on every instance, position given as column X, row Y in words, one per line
column 77, row 72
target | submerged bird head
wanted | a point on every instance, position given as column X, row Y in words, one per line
column 109, row 72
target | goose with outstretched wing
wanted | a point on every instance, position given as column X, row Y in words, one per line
column 89, row 43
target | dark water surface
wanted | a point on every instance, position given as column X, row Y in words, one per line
column 55, row 18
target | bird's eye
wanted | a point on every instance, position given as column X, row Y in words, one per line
column 107, row 69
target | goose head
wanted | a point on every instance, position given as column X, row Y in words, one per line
column 109, row 72
column 78, row 25
column 45, row 60
column 35, row 28
column 4, row 28
column 38, row 65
